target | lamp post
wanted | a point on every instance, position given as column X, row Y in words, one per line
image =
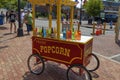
column 80, row 13
column 20, row 30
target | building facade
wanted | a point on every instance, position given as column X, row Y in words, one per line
column 110, row 12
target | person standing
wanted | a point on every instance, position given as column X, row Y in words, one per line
column 78, row 14
column 7, row 16
column 12, row 17
column 111, row 24
column 22, row 17
column 67, row 15
column 28, row 20
column 3, row 16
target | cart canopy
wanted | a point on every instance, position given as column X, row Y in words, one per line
column 53, row 2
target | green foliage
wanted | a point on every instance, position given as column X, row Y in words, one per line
column 2, row 2
column 114, row 0
column 93, row 7
column 23, row 3
column 40, row 14
column 110, row 0
column 63, row 15
column 11, row 4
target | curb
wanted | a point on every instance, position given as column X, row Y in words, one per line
column 109, row 58
column 96, row 28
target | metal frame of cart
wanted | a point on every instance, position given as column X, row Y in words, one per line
column 75, row 54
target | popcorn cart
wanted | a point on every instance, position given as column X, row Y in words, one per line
column 75, row 53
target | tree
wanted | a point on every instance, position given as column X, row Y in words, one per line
column 93, row 7
column 113, row 0
column 110, row 0
column 11, row 4
column 117, row 0
column 2, row 2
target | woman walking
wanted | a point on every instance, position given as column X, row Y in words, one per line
column 12, row 17
column 28, row 21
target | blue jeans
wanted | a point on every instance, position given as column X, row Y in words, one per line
column 29, row 27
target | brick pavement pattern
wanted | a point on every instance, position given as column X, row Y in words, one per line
column 14, row 52
column 105, row 45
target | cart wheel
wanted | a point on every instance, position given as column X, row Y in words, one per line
column 36, row 64
column 78, row 72
column 94, row 63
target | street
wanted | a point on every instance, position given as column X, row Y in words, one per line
column 85, row 29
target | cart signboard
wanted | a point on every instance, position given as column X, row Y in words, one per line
column 61, row 51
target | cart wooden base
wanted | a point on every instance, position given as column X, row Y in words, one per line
column 75, row 54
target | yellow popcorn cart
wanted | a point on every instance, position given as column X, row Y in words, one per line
column 52, row 45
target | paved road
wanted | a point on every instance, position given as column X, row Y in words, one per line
column 85, row 29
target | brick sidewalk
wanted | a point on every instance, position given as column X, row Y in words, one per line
column 14, row 52
column 105, row 45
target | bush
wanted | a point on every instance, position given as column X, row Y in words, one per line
column 38, row 14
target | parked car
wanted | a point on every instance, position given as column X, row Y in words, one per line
column 111, row 17
column 99, row 20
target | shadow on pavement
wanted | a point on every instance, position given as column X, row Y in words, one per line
column 15, row 33
column 7, row 34
column 51, row 72
column 54, row 72
column 26, row 34
column 94, row 75
column 7, row 39
column 1, row 47
column 118, row 43
column 3, row 28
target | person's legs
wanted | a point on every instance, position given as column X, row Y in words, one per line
column 14, row 27
column 110, row 26
column 10, row 27
column 67, row 17
column 28, row 28
column 6, row 19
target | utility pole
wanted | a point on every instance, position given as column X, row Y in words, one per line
column 81, row 12
column 117, row 27
column 20, row 29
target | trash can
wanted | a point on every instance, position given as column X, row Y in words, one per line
column 89, row 21
column 1, row 19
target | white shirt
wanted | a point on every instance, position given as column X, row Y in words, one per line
column 22, row 15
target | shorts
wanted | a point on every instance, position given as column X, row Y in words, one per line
column 12, row 21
